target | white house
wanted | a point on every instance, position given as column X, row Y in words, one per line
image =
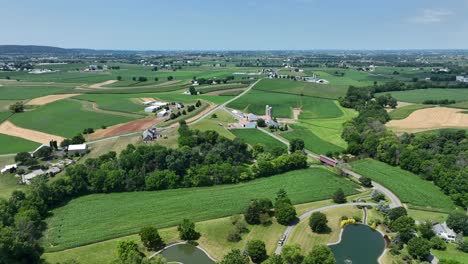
column 164, row 112
column 461, row 79
column 444, row 232
column 7, row 168
column 78, row 148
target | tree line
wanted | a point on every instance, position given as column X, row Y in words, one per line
column 202, row 159
column 440, row 157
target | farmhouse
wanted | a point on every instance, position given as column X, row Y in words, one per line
column 444, row 232
column 150, row 134
column 79, row 148
column 8, row 168
column 250, row 120
column 461, row 79
column 26, row 179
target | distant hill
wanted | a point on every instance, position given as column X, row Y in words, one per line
column 31, row 50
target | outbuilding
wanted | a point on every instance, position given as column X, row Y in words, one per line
column 78, row 148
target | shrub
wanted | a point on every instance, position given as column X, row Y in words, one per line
column 438, row 243
column 365, row 181
column 318, row 223
column 347, row 222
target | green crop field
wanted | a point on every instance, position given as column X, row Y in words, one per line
column 254, row 136
column 420, row 95
column 460, row 105
column 13, row 91
column 65, row 118
column 405, row 111
column 12, row 144
column 312, row 142
column 409, row 187
column 312, row 107
column 301, row 87
column 99, row 217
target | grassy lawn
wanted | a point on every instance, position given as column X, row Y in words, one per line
column 104, row 218
column 452, row 253
column 420, row 215
column 254, row 136
column 8, row 184
column 312, row 107
column 12, row 144
column 312, row 141
column 65, row 118
column 405, row 111
column 217, row 124
column 303, row 235
column 420, row 95
column 409, row 187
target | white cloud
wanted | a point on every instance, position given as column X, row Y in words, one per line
column 429, row 16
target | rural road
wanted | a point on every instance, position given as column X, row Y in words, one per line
column 222, row 106
column 288, row 230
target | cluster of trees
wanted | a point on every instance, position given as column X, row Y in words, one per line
column 439, row 157
column 259, row 211
column 291, row 254
column 439, row 102
column 202, row 81
column 78, row 139
column 417, row 84
column 17, row 107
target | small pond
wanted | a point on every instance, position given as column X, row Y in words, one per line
column 359, row 245
column 186, row 254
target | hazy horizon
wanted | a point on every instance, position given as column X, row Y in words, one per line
column 210, row 25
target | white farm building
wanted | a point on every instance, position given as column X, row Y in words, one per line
column 78, row 148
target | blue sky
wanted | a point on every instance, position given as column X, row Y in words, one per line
column 236, row 24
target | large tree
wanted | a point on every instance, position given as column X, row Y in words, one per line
column 151, row 239
column 291, row 254
column 257, row 251
column 318, row 223
column 235, row 257
column 296, row 144
column 187, row 230
column 339, row 196
column 320, row 254
column 458, row 221
column 284, row 210
column 419, row 248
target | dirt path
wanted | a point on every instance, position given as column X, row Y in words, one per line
column 49, row 99
column 99, row 85
column 9, row 128
column 147, row 99
column 431, row 118
column 225, row 91
column 399, row 105
column 296, row 113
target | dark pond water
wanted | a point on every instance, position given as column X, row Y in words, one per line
column 359, row 245
column 186, row 254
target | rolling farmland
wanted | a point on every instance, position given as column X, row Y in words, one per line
column 103, row 218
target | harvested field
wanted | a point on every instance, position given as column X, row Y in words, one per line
column 225, row 91
column 147, row 99
column 431, row 118
column 129, row 127
column 49, row 99
column 10, row 129
column 99, row 85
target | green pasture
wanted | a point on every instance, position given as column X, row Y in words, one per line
column 99, row 217
column 8, row 182
column 405, row 111
column 312, row 107
column 10, row 144
column 65, row 118
column 312, row 141
column 463, row 105
column 420, row 95
column 254, row 136
column 410, row 188
column 218, row 124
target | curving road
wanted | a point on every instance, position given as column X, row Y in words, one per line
column 288, row 230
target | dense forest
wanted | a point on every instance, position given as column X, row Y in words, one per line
column 441, row 157
column 202, row 159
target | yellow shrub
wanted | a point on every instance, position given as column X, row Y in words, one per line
column 347, row 222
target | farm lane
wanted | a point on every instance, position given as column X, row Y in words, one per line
column 288, row 230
